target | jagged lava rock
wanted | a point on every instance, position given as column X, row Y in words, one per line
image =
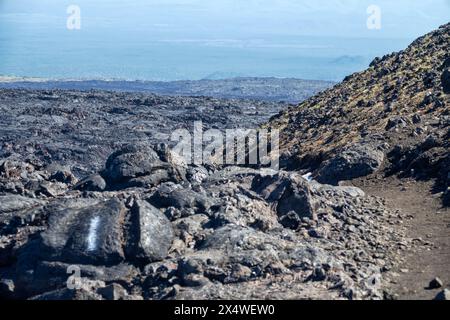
column 45, row 276
column 354, row 162
column 151, row 234
column 10, row 203
column 292, row 194
column 68, row 294
column 131, row 162
column 93, row 182
column 89, row 235
column 143, row 166
column 173, row 195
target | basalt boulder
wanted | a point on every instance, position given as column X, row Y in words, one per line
column 48, row 276
column 354, row 162
column 132, row 161
column 143, row 165
column 93, row 182
column 86, row 235
column 11, row 203
column 292, row 195
column 151, row 234
column 186, row 200
column 100, row 235
column 17, row 211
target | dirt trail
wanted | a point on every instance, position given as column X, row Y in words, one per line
column 428, row 224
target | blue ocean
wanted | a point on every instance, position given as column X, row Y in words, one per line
column 157, row 40
column 131, row 57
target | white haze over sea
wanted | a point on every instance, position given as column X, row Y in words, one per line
column 196, row 39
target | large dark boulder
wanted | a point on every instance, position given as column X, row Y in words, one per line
column 296, row 203
column 87, row 235
column 354, row 162
column 151, row 234
column 270, row 186
column 143, row 166
column 97, row 236
column 131, row 162
column 186, row 200
column 292, row 195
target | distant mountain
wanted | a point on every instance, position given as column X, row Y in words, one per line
column 222, row 75
column 348, row 60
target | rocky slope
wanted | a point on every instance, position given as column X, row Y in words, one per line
column 387, row 131
column 394, row 117
column 93, row 204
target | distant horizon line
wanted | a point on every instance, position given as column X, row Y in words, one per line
column 26, row 79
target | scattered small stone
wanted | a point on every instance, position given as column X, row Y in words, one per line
column 444, row 295
column 436, row 283
column 113, row 292
column 7, row 289
column 416, row 119
column 404, row 270
column 91, row 183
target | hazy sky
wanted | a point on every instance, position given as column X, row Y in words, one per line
column 193, row 39
column 234, row 18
